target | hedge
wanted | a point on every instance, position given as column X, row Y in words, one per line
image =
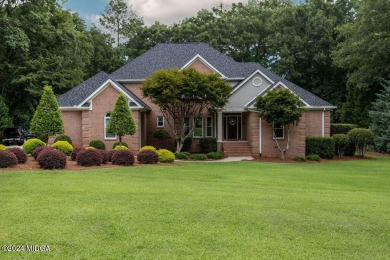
column 208, row 144
column 341, row 128
column 323, row 146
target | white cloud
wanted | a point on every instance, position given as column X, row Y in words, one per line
column 172, row 11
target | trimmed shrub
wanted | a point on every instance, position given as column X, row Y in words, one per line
column 91, row 148
column 110, row 153
column 7, row 159
column 40, row 149
column 51, row 159
column 104, row 155
column 198, row 156
column 186, row 145
column 299, row 159
column 120, row 143
column 98, row 144
column 186, row 153
column 63, row 146
column 165, row 156
column 73, row 155
column 313, row 157
column 341, row 143
column 340, row 128
column 215, row 155
column 2, row 147
column 148, row 147
column 208, row 144
column 123, row 157
column 181, row 156
column 63, row 138
column 147, row 157
column 20, row 154
column 30, row 145
column 161, row 135
column 118, row 147
column 89, row 157
column 361, row 137
column 323, row 146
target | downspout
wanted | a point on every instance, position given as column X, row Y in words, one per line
column 260, row 134
column 323, row 123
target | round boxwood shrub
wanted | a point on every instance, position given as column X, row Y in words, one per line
column 361, row 137
column 341, row 143
column 147, row 157
column 30, row 145
column 7, row 159
column 299, row 159
column 63, row 146
column 118, row 147
column 208, row 144
column 215, row 155
column 98, row 144
column 39, row 149
column 75, row 152
column 63, row 138
column 109, row 154
column 198, row 156
column 148, row 147
column 89, row 157
column 104, row 155
column 2, row 147
column 181, row 156
column 165, row 156
column 119, row 143
column 123, row 157
column 20, row 154
column 313, row 157
column 51, row 159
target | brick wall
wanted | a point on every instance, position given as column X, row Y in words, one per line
column 314, row 123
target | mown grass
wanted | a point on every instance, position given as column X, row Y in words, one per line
column 201, row 210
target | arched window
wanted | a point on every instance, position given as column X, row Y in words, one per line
column 108, row 135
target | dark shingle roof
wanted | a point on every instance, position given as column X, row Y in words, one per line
column 78, row 94
column 176, row 55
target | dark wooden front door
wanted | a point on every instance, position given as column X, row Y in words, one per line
column 232, row 127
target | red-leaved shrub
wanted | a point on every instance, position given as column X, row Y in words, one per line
column 89, row 157
column 40, row 149
column 110, row 154
column 20, row 154
column 147, row 157
column 104, row 155
column 123, row 157
column 51, row 159
column 76, row 150
column 7, row 159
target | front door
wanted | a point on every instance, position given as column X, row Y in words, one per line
column 232, row 125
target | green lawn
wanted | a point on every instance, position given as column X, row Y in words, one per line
column 243, row 210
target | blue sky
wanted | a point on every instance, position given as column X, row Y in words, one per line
column 87, row 9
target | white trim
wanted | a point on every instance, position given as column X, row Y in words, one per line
column 212, row 126
column 102, row 87
column 260, row 135
column 323, row 123
column 264, row 90
column 283, row 85
column 163, row 121
column 197, row 56
column 74, row 108
column 105, row 127
column 273, row 131
column 248, row 78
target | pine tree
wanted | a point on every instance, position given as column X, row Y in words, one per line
column 380, row 119
column 47, row 120
column 121, row 120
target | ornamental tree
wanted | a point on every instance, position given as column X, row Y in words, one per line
column 47, row 119
column 121, row 120
column 380, row 119
column 281, row 107
column 182, row 94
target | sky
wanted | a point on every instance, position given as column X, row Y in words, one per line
column 164, row 11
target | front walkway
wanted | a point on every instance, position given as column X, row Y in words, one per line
column 228, row 159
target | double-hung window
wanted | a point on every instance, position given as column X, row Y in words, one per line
column 106, row 134
column 209, row 126
column 160, row 121
column 278, row 130
column 198, row 127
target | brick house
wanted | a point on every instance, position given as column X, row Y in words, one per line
column 237, row 127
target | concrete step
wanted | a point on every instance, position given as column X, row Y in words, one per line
column 236, row 148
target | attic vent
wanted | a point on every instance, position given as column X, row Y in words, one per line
column 257, row 82
column 132, row 104
column 87, row 104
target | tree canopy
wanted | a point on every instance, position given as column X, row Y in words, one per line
column 186, row 93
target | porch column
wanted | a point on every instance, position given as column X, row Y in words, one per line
column 219, row 129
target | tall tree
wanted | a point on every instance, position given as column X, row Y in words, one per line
column 280, row 107
column 47, row 119
column 121, row 120
column 380, row 119
column 5, row 120
column 182, row 94
column 116, row 17
column 364, row 53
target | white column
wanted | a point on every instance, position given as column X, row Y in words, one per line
column 219, row 126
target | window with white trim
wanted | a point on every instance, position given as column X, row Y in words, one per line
column 160, row 121
column 108, row 135
column 198, row 127
column 132, row 104
column 209, row 126
column 278, row 131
